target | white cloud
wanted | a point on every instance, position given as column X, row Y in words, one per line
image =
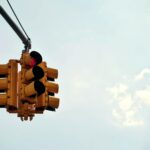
column 118, row 90
column 126, row 118
column 126, row 111
column 141, row 75
column 130, row 99
column 125, row 102
column 144, row 96
column 126, row 108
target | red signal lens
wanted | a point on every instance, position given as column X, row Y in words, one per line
column 32, row 63
column 36, row 56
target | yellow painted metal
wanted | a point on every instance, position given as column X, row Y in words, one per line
column 30, row 90
column 19, row 84
column 43, row 65
column 3, row 84
column 3, row 69
column 52, row 87
column 53, row 102
column 26, row 58
column 52, row 73
column 12, row 84
column 29, row 74
column 41, row 102
column 3, row 99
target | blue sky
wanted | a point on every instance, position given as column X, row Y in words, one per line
column 101, row 49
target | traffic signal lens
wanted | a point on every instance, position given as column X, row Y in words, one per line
column 34, row 73
column 32, row 62
column 38, row 72
column 36, row 87
column 39, row 87
column 36, row 56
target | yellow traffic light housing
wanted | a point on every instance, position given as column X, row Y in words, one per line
column 31, row 74
column 31, row 90
column 41, row 99
column 47, row 100
column 12, row 86
column 3, row 100
column 3, row 85
column 8, row 85
column 52, row 88
column 53, row 103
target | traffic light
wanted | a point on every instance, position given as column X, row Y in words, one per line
column 31, row 73
column 3, row 85
column 8, row 86
column 31, row 90
column 41, row 99
column 47, row 100
column 31, row 84
column 51, row 89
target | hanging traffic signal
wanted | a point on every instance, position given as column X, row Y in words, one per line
column 31, row 85
column 31, row 74
column 8, row 86
column 47, row 100
column 3, row 85
column 52, row 88
column 41, row 99
column 12, row 86
column 31, row 90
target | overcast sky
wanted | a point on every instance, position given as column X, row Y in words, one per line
column 101, row 49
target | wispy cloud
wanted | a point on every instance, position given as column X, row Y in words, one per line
column 126, row 118
column 125, row 108
column 128, row 102
column 141, row 75
column 118, row 90
column 144, row 96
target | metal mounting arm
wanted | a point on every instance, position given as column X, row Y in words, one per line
column 26, row 41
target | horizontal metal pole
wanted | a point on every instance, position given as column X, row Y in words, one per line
column 15, row 27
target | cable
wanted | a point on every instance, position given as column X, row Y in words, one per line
column 18, row 20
